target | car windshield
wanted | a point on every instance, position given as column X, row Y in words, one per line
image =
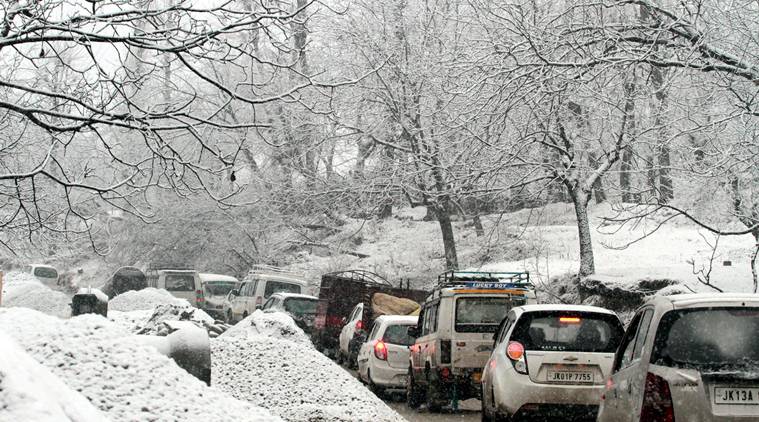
column 710, row 338
column 398, row 334
column 280, row 287
column 180, row 282
column 568, row 331
column 301, row 306
column 45, row 272
column 481, row 314
column 219, row 288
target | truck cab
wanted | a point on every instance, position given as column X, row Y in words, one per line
column 454, row 334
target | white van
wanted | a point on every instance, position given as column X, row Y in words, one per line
column 260, row 283
column 216, row 287
column 184, row 284
column 43, row 273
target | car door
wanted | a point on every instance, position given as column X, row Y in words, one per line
column 415, row 359
column 628, row 369
column 427, row 344
column 346, row 334
column 239, row 301
column 366, row 349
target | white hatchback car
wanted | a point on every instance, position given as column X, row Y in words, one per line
column 383, row 358
column 691, row 357
column 550, row 361
column 44, row 273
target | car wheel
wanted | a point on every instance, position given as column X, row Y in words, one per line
column 414, row 395
column 244, row 314
column 433, row 396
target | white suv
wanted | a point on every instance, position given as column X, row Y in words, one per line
column 383, row 358
column 454, row 335
column 260, row 283
column 550, row 361
column 687, row 358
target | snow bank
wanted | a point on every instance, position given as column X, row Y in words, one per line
column 270, row 324
column 30, row 392
column 267, row 360
column 149, row 298
column 24, row 290
column 125, row 379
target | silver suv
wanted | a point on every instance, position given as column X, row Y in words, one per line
column 687, row 358
column 550, row 361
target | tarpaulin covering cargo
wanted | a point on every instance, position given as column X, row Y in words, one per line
column 385, row 304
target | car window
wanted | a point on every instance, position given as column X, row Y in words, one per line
column 45, row 272
column 219, row 288
column 507, row 323
column 481, row 314
column 709, row 338
column 280, row 287
column 373, row 333
column 627, row 345
column 640, row 337
column 433, row 318
column 300, row 306
column 568, row 331
column 179, row 282
column 398, row 334
column 268, row 303
column 426, row 323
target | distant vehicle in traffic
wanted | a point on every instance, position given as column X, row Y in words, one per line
column 302, row 308
column 123, row 280
column 383, row 358
column 184, row 284
column 261, row 282
column 454, row 333
column 692, row 357
column 341, row 320
column 44, row 273
column 216, row 287
column 550, row 361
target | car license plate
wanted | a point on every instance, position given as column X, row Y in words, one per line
column 736, row 395
column 570, row 376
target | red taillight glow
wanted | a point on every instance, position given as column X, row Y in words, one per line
column 359, row 325
column 445, row 373
column 380, row 350
column 569, row 320
column 515, row 350
column 657, row 401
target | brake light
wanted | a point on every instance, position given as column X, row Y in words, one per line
column 515, row 350
column 657, row 401
column 199, row 296
column 569, row 320
column 359, row 325
column 445, row 373
column 380, row 350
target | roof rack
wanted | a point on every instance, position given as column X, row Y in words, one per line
column 263, row 268
column 361, row 275
column 454, row 278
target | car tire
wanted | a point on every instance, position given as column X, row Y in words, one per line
column 432, row 395
column 339, row 358
column 414, row 395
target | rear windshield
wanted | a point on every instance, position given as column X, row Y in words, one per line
column 481, row 314
column 398, row 334
column 279, row 287
column 301, row 306
column 180, row 282
column 45, row 272
column 708, row 338
column 219, row 288
column 562, row 331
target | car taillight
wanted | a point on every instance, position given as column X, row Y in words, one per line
column 199, row 296
column 445, row 373
column 515, row 352
column 657, row 401
column 333, row 321
column 359, row 325
column 380, row 350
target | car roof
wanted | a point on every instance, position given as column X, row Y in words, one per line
column 294, row 295
column 42, row 266
column 276, row 277
column 206, row 277
column 397, row 319
column 563, row 307
column 176, row 271
column 707, row 299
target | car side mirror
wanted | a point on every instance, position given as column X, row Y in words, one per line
column 413, row 331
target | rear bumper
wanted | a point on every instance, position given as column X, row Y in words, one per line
column 516, row 393
column 385, row 375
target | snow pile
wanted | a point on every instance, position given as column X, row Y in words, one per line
column 162, row 313
column 24, row 290
column 90, row 291
column 132, row 321
column 125, row 379
column 30, row 392
column 267, row 360
column 270, row 324
column 149, row 298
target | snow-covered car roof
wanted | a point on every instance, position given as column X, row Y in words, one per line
column 397, row 319
column 42, row 266
column 562, row 307
column 208, row 277
column 707, row 299
column 294, row 295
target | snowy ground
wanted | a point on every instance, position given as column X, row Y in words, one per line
column 24, row 290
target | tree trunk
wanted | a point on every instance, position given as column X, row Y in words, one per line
column 587, row 261
column 478, row 225
column 598, row 188
column 753, row 261
column 449, row 242
column 625, row 169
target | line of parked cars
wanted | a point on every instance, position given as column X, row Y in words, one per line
column 482, row 335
